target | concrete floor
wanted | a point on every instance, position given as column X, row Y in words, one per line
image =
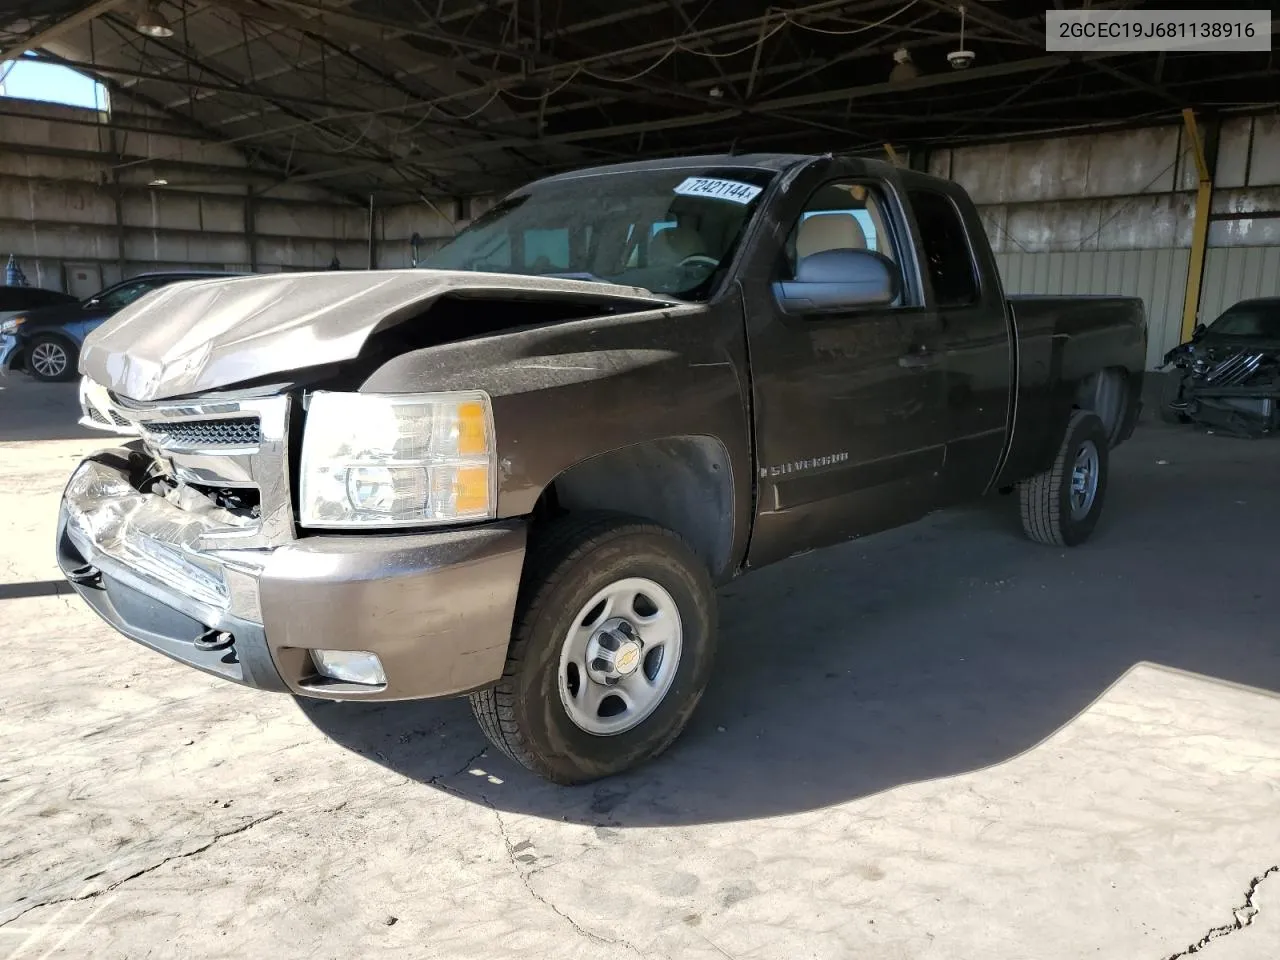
column 942, row 742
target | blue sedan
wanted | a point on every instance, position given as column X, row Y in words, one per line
column 47, row 340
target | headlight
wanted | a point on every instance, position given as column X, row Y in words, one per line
column 12, row 324
column 397, row 460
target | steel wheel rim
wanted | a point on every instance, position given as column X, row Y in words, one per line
column 643, row 618
column 49, row 359
column 1084, row 480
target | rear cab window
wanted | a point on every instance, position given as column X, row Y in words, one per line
column 948, row 257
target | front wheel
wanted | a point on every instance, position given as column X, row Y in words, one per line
column 1060, row 507
column 612, row 649
column 51, row 359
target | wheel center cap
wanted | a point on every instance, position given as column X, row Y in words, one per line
column 627, row 658
column 614, row 652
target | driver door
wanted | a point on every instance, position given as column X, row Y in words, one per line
column 849, row 413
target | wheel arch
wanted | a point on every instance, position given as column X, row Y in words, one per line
column 1109, row 394
column 683, row 483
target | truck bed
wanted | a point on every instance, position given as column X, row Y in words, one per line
column 1060, row 341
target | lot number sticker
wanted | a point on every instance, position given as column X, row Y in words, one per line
column 718, row 189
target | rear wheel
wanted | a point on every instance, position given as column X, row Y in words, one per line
column 1061, row 506
column 612, row 648
column 50, row 359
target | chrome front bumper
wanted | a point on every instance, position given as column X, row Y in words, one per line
column 435, row 608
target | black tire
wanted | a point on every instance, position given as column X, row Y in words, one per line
column 568, row 562
column 50, row 347
column 1045, row 499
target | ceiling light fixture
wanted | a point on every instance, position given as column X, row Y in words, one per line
column 903, row 68
column 152, row 23
column 961, row 59
column 158, row 182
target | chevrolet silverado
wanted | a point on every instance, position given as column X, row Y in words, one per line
column 519, row 472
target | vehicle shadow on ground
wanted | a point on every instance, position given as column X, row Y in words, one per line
column 925, row 652
column 31, row 410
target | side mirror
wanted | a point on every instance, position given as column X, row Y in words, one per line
column 1196, row 333
column 836, row 280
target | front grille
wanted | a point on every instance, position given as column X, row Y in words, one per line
column 203, row 434
column 234, row 451
column 1234, row 370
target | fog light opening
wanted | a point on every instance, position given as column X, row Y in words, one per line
column 350, row 666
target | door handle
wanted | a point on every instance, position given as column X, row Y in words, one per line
column 918, row 360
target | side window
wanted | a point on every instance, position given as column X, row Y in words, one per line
column 946, row 249
column 121, row 297
column 837, row 216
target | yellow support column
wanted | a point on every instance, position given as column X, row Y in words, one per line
column 1199, row 229
column 893, row 155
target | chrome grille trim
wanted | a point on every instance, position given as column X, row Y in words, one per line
column 204, row 434
column 181, row 435
column 1234, row 369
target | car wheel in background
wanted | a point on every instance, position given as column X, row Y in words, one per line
column 51, row 359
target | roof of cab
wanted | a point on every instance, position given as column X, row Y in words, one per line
column 777, row 162
column 762, row 161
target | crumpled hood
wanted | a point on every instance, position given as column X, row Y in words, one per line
column 205, row 334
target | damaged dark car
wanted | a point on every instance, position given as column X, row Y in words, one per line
column 1229, row 372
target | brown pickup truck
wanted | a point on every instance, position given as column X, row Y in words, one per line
column 520, row 473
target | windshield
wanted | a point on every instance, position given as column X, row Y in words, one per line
column 670, row 231
column 1249, row 321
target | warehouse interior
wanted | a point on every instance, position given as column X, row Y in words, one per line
column 965, row 746
column 283, row 136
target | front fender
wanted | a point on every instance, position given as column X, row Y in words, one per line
column 570, row 392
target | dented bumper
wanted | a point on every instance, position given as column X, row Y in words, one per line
column 436, row 609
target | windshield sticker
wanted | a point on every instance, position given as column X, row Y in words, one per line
column 718, row 189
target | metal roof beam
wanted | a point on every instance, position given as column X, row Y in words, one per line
column 1029, row 65
column 53, row 31
column 647, row 91
column 318, row 123
column 1019, row 31
column 205, row 134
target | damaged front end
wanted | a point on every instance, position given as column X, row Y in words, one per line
column 1231, row 387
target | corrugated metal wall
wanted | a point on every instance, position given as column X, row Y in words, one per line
column 1238, row 273
column 60, row 217
column 1159, row 277
column 1113, row 213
